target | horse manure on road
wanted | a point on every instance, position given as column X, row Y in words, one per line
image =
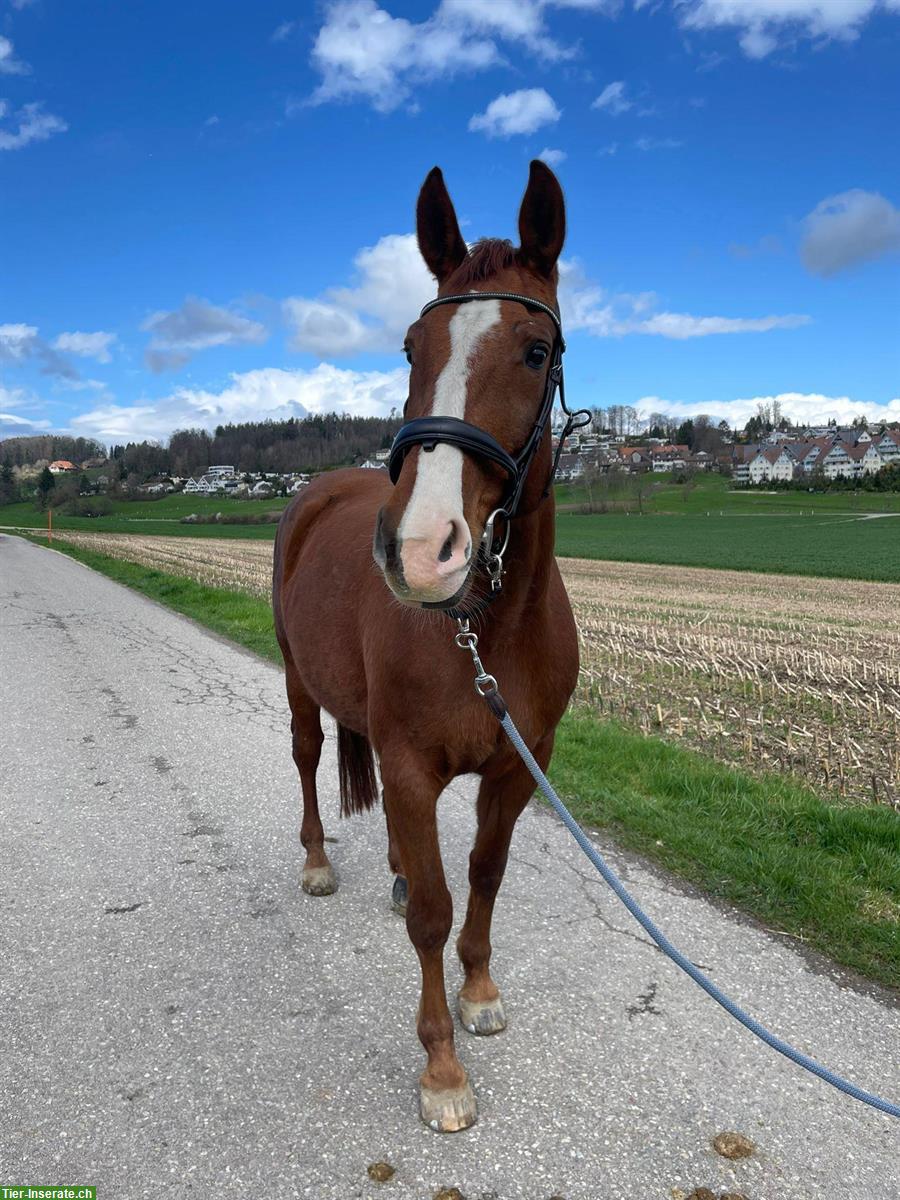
column 733, row 1145
column 381, row 1172
column 703, row 1193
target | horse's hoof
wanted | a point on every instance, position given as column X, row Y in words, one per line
column 482, row 1018
column 399, row 895
column 448, row 1111
column 319, row 881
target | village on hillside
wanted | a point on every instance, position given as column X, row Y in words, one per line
column 829, row 452
column 761, row 454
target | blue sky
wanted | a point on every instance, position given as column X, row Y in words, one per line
column 207, row 209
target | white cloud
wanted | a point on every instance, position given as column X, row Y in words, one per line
column 608, row 151
column 268, row 393
column 516, row 112
column 87, row 345
column 32, row 125
column 374, row 315
column 283, row 31
column 18, row 342
column 650, row 143
column 850, row 228
column 12, row 425
column 362, row 51
column 394, row 283
column 520, row 21
column 765, row 24
column 613, row 99
column 588, row 307
column 552, row 157
column 801, row 408
column 197, row 325
column 9, row 64
column 767, row 244
column 683, row 325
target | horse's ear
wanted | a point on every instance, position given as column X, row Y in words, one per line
column 542, row 220
column 437, row 229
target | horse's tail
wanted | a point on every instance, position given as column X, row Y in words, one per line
column 356, row 772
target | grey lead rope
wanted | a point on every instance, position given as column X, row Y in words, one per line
column 486, row 687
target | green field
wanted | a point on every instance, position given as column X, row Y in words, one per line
column 709, row 526
column 834, row 546
column 154, row 516
column 827, row 873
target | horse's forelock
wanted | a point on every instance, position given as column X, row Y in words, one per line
column 487, row 257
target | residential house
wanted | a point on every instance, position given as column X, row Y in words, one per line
column 888, row 445
column 836, row 463
column 771, row 464
column 635, row 458
column 571, row 466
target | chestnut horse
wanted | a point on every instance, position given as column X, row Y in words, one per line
column 367, row 640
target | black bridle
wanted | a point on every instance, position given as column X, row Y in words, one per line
column 428, row 432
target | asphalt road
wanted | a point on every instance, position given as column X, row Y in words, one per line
column 179, row 1019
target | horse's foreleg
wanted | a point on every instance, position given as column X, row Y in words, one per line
column 501, row 799
column 306, row 732
column 446, row 1101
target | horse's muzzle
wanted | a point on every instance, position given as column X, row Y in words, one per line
column 430, row 568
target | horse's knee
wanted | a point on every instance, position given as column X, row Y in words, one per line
column 486, row 874
column 428, row 918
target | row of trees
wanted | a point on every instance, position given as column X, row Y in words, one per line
column 311, row 444
column 23, row 451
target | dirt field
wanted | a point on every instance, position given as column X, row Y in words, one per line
column 772, row 672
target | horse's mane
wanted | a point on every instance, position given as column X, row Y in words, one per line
column 487, row 257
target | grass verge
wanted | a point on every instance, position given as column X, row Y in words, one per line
column 826, row 874
column 245, row 619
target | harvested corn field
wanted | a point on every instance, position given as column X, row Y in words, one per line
column 771, row 672
column 240, row 565
column 775, row 672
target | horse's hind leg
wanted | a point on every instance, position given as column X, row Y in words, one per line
column 306, row 732
column 400, row 890
column 501, row 798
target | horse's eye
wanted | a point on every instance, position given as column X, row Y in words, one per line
column 408, row 353
column 536, row 356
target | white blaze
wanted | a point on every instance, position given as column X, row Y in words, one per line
column 437, row 492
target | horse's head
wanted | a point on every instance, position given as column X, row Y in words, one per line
column 484, row 362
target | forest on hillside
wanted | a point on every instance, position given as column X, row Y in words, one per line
column 311, row 444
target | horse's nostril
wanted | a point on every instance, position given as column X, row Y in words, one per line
column 446, row 549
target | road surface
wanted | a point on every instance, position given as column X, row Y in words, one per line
column 179, row 1019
